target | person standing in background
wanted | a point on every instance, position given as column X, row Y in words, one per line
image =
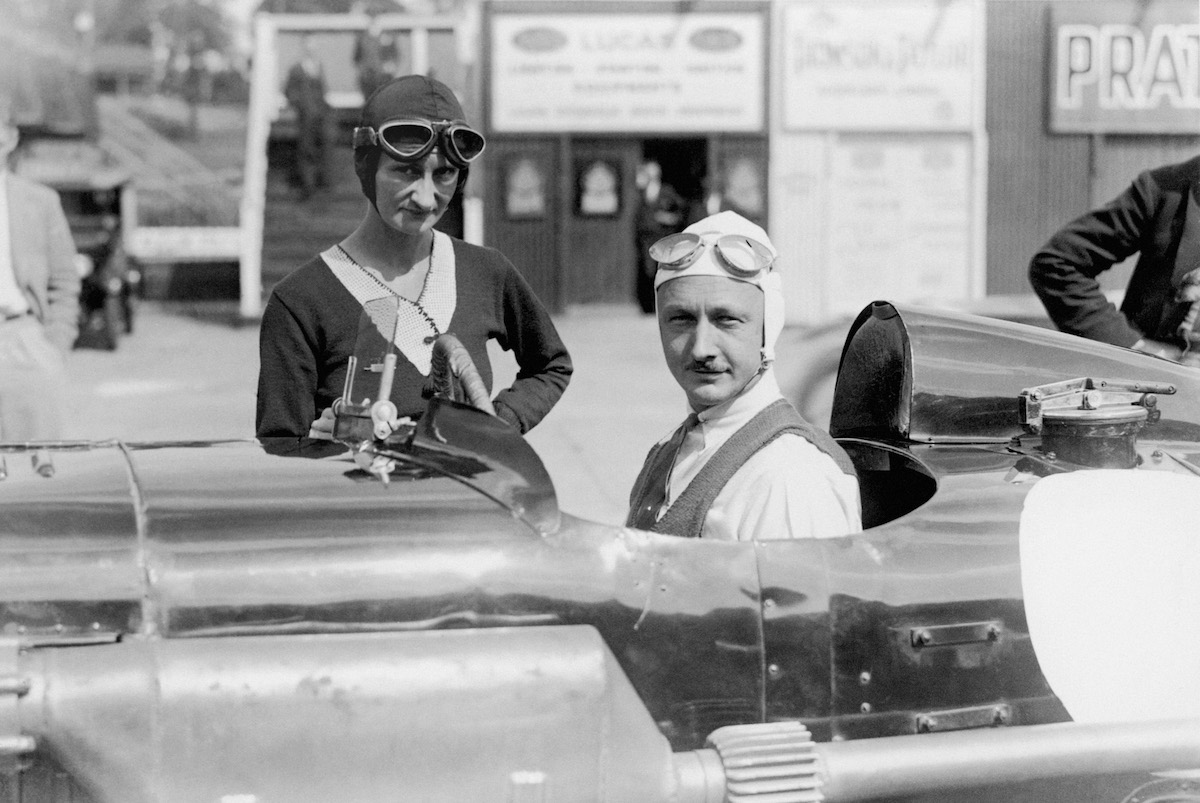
column 375, row 56
column 1158, row 217
column 305, row 92
column 661, row 211
column 39, row 300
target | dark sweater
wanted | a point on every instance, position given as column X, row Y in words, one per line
column 1149, row 217
column 311, row 324
column 685, row 517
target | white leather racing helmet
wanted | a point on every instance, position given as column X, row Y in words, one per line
column 727, row 244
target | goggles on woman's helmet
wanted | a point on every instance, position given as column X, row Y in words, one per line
column 741, row 256
column 414, row 139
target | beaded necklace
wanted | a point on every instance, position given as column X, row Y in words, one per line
column 415, row 304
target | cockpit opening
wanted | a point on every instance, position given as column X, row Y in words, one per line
column 891, row 481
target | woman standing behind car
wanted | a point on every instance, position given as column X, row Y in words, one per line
column 412, row 150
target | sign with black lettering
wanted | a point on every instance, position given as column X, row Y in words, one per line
column 1125, row 67
column 904, row 65
column 642, row 71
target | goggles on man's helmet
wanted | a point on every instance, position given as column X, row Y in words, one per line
column 408, row 140
column 741, row 256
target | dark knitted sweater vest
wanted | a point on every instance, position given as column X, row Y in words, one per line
column 685, row 517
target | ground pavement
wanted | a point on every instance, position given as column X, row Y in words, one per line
column 189, row 371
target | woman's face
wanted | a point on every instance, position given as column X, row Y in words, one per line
column 412, row 196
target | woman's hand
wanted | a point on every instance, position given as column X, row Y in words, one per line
column 322, row 428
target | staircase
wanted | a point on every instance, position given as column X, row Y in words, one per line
column 174, row 187
column 295, row 230
column 198, row 182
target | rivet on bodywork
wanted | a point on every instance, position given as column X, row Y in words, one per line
column 865, row 708
column 774, row 671
column 864, row 678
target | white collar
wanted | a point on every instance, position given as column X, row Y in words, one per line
column 746, row 404
column 717, row 424
column 415, row 321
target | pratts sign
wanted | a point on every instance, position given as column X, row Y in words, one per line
column 1129, row 67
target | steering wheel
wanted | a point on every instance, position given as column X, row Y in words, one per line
column 452, row 375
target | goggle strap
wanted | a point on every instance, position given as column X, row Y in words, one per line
column 364, row 135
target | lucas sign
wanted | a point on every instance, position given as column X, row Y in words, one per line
column 1126, row 68
column 638, row 71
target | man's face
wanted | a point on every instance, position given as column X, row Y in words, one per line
column 712, row 330
column 413, row 196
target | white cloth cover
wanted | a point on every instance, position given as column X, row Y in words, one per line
column 1110, row 564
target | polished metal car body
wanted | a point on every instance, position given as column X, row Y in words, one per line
column 243, row 621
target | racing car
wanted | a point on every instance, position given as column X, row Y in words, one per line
column 404, row 613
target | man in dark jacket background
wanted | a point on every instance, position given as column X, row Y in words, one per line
column 1158, row 216
column 305, row 92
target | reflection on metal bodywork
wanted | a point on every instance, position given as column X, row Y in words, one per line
column 160, row 602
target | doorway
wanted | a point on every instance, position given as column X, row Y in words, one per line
column 684, row 164
column 521, row 217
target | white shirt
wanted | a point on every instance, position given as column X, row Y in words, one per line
column 12, row 300
column 406, row 322
column 788, row 489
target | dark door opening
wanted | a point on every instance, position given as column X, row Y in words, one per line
column 684, row 164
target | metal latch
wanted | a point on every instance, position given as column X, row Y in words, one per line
column 1091, row 423
column 1088, row 394
column 957, row 719
column 946, row 635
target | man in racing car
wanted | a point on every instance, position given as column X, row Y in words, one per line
column 744, row 464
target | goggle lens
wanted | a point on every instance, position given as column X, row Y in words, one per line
column 407, row 140
column 744, row 255
column 466, row 141
column 675, row 248
column 741, row 256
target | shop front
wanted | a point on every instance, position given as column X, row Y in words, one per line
column 878, row 153
column 1082, row 96
column 581, row 96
